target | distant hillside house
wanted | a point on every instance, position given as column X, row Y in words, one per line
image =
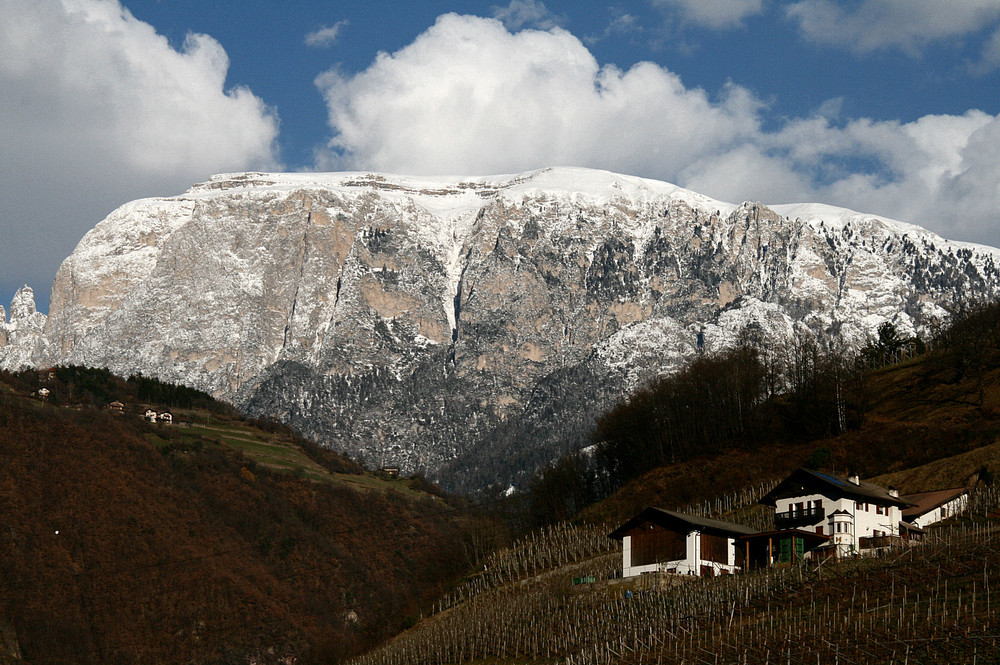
column 931, row 507
column 150, row 415
column 116, row 406
column 659, row 540
column 166, row 418
column 854, row 514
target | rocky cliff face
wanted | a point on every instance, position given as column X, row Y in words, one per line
column 471, row 328
column 21, row 338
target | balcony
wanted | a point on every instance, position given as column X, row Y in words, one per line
column 879, row 542
column 798, row 518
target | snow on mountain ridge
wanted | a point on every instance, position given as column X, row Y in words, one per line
column 839, row 218
column 437, row 322
column 580, row 184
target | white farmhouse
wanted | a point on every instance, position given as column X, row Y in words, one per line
column 658, row 540
column 854, row 514
column 932, row 507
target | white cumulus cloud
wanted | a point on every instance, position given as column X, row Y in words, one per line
column 468, row 96
column 938, row 171
column 97, row 108
column 873, row 25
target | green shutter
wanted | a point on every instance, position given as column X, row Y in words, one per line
column 786, row 550
column 800, row 548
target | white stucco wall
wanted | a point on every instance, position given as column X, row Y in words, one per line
column 943, row 512
column 865, row 521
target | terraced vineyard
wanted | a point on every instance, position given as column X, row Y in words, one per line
column 930, row 603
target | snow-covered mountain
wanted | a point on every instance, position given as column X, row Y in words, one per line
column 469, row 326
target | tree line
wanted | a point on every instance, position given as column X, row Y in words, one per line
column 752, row 395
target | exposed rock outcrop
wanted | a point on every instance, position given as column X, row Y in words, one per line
column 21, row 338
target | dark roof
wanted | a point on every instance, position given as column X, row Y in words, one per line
column 804, row 481
column 673, row 520
column 925, row 502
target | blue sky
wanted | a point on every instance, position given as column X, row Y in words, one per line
column 884, row 107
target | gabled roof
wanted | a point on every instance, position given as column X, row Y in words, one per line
column 803, row 482
column 681, row 522
column 925, row 502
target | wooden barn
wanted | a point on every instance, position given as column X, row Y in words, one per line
column 658, row 540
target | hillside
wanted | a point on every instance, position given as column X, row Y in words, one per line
column 212, row 540
column 217, row 539
column 930, row 603
column 929, row 422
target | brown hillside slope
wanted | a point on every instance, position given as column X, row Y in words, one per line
column 929, row 603
column 927, row 425
column 919, row 412
column 114, row 550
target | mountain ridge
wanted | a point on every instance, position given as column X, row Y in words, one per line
column 412, row 319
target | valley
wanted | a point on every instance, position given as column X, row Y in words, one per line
column 327, row 563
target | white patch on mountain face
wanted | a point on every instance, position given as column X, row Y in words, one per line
column 638, row 350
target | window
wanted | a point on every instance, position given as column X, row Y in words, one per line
column 857, row 505
column 878, row 510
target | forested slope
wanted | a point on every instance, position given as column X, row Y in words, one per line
column 121, row 542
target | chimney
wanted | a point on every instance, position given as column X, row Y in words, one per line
column 854, row 479
column 893, row 492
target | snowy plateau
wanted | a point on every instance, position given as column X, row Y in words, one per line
column 470, row 328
